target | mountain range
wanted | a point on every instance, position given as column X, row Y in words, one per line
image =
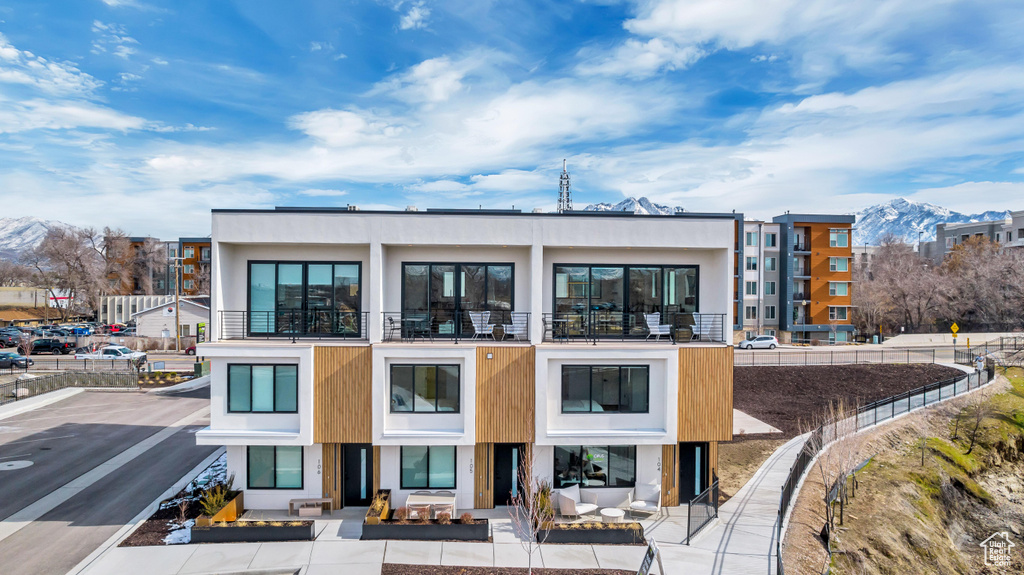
column 20, row 234
column 900, row 217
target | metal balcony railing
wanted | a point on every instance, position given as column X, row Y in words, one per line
column 320, row 324
column 597, row 326
column 488, row 325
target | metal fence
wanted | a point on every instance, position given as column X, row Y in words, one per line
column 867, row 416
column 595, row 326
column 967, row 356
column 832, row 357
column 283, row 324
column 25, row 388
column 450, row 325
column 701, row 510
column 58, row 363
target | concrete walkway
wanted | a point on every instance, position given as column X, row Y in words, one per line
column 741, row 542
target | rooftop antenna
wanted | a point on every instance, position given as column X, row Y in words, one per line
column 564, row 195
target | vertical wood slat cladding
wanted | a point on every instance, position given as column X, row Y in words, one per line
column 505, row 394
column 705, row 393
column 342, row 394
column 670, row 475
column 331, row 473
column 483, row 492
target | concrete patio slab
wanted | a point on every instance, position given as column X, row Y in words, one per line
column 413, row 552
column 342, row 552
column 284, row 554
column 513, row 555
column 221, row 558
column 346, row 568
column 569, row 556
column 158, row 560
column 626, row 557
column 467, row 554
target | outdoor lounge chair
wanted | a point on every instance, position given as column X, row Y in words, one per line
column 645, row 499
column 655, row 327
column 481, row 327
column 702, row 327
column 571, row 505
column 519, row 326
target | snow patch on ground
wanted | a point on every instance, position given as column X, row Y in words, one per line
column 181, row 535
column 215, row 474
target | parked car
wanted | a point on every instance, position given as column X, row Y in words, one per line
column 759, row 342
column 8, row 339
column 81, row 330
column 59, row 332
column 9, row 359
column 190, row 350
column 54, row 346
column 113, row 352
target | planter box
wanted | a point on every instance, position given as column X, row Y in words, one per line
column 385, row 513
column 230, row 512
column 249, row 532
column 617, row 536
column 479, row 530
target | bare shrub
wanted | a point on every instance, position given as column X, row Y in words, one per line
column 531, row 509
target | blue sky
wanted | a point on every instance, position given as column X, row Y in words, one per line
column 144, row 115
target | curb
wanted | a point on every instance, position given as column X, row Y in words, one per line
column 33, row 403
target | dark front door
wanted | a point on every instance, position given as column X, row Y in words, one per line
column 507, row 459
column 357, row 471
column 693, row 470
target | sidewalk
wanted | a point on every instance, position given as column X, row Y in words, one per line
column 742, row 541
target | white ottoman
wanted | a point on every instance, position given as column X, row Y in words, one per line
column 612, row 515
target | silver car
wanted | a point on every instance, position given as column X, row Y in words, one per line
column 759, row 342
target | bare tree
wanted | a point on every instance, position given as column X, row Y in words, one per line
column 980, row 408
column 531, row 509
column 14, row 274
column 201, row 283
column 66, row 264
column 148, row 257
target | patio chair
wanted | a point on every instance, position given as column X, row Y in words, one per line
column 392, row 328
column 518, row 328
column 481, row 327
column 702, row 327
column 645, row 499
column 574, row 503
column 655, row 327
column 419, row 511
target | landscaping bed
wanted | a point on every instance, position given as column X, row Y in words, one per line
column 631, row 533
column 254, row 531
column 785, row 396
column 432, row 530
column 395, row 569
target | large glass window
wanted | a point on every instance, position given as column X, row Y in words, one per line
column 441, row 295
column 424, row 388
column 751, row 288
column 770, row 264
column 274, row 467
column 837, row 313
column 304, row 298
column 838, row 288
column 601, row 388
column 595, row 466
column 430, row 467
column 752, row 238
column 262, row 388
column 770, row 241
column 838, row 264
column 751, row 264
column 839, row 238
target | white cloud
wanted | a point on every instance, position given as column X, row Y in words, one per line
column 113, row 37
column 430, row 81
column 416, row 17
column 637, row 59
column 318, row 193
column 968, row 196
column 55, row 78
column 43, row 114
column 159, row 61
column 340, row 128
column 318, row 46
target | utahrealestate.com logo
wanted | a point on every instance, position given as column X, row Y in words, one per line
column 997, row 549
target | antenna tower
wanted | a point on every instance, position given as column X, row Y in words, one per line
column 564, row 194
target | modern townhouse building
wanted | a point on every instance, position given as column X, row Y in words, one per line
column 357, row 350
column 815, row 277
column 761, row 280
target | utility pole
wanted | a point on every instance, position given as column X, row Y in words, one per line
column 177, row 301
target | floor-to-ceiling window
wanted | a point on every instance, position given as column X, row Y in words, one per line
column 304, row 298
column 440, row 296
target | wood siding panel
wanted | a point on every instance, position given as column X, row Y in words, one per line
column 505, row 391
column 483, row 461
column 821, row 275
column 332, row 481
column 342, row 394
column 670, row 475
column 705, row 393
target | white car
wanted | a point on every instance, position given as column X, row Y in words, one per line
column 113, row 352
column 759, row 342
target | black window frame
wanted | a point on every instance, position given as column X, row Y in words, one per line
column 579, row 450
column 391, row 388
column 457, row 285
column 302, row 468
column 305, row 296
column 455, row 476
column 590, row 387
column 626, row 304
column 275, row 366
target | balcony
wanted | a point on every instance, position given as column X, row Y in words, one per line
column 455, row 326
column 801, row 272
column 600, row 326
column 293, row 324
column 801, row 297
column 802, row 247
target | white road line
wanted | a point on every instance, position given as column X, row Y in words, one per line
column 47, row 503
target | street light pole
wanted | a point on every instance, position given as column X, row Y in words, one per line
column 177, row 302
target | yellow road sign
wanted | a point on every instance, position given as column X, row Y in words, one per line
column 954, row 328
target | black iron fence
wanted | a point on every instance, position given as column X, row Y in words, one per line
column 702, row 509
column 320, row 324
column 58, row 363
column 969, row 355
column 867, row 416
column 25, row 388
column 832, row 357
column 490, row 325
column 597, row 326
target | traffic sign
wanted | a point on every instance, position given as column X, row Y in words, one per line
column 954, row 328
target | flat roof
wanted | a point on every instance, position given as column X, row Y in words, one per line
column 470, row 212
column 815, row 219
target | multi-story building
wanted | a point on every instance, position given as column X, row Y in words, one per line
column 815, row 277
column 1012, row 234
column 195, row 265
column 357, row 350
column 948, row 236
column 761, row 280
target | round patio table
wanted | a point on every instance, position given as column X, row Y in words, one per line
column 612, row 515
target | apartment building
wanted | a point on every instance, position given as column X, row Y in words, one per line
column 357, row 350
column 815, row 277
column 761, row 280
column 1012, row 233
column 195, row 264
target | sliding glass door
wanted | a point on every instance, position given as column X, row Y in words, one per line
column 439, row 296
column 300, row 298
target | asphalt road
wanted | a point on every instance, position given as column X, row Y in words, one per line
column 68, row 438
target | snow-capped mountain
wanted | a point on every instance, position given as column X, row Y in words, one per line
column 20, row 234
column 904, row 218
column 641, row 206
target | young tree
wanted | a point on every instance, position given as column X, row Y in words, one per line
column 834, row 438
column 531, row 508
column 980, row 408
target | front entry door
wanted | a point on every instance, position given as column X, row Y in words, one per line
column 507, row 459
column 357, row 471
column 693, row 470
